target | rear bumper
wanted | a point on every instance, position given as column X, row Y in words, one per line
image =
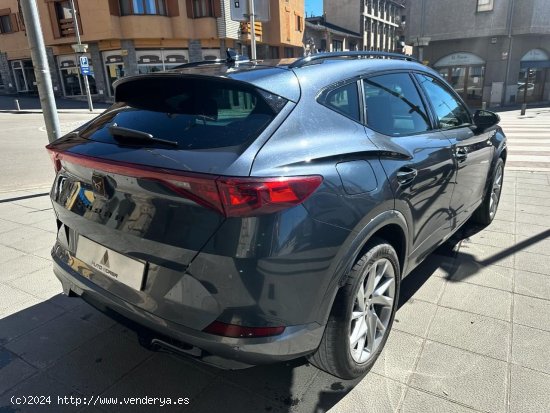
column 224, row 352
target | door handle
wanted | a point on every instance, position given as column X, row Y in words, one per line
column 461, row 154
column 406, row 175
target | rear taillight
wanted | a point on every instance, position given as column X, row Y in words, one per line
column 55, row 159
column 232, row 330
column 230, row 196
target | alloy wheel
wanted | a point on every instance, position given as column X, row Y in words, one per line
column 495, row 191
column 372, row 310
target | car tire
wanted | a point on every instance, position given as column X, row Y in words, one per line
column 375, row 277
column 486, row 212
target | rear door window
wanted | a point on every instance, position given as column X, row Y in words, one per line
column 196, row 113
column 344, row 100
column 394, row 106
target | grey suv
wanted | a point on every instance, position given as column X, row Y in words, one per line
column 254, row 212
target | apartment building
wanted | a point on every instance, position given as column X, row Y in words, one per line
column 377, row 21
column 127, row 37
column 494, row 51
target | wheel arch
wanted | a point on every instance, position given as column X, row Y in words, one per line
column 390, row 226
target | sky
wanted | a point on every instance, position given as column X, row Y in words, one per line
column 315, row 7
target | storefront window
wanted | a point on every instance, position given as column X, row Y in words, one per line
column 533, row 75
column 71, row 79
column 23, row 73
column 465, row 73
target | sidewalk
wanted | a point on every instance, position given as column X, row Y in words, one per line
column 472, row 332
column 31, row 104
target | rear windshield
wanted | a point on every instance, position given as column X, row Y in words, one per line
column 196, row 113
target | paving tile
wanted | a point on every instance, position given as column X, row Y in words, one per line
column 25, row 215
column 472, row 332
column 6, row 226
column 26, row 320
column 505, row 215
column 39, row 202
column 12, row 296
column 419, row 401
column 42, row 283
column 533, row 231
column 398, row 357
column 40, row 385
column 532, row 284
column 491, row 238
column 529, row 391
column 486, row 254
column 530, row 348
column 476, row 299
column 164, row 375
column 532, row 312
column 376, row 393
column 521, row 192
column 48, row 224
column 8, row 254
column 8, row 195
column 22, row 265
column 51, row 341
column 532, row 209
column 236, row 400
column 431, row 290
column 536, row 245
column 86, row 312
column 530, row 200
column 98, row 363
column 40, row 241
column 493, row 276
column 532, row 181
column 273, row 379
column 26, row 239
column 532, row 262
column 13, row 370
column 461, row 376
column 501, row 226
column 535, row 187
column 67, row 303
column 414, row 317
column 535, row 219
column 45, row 252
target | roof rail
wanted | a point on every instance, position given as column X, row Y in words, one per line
column 356, row 54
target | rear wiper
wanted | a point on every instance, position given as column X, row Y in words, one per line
column 118, row 132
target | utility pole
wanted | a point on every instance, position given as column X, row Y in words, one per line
column 510, row 24
column 77, row 32
column 252, row 28
column 41, row 68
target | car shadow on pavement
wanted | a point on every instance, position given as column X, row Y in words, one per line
column 64, row 347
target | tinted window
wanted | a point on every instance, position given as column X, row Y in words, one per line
column 344, row 100
column 394, row 106
column 196, row 113
column 449, row 111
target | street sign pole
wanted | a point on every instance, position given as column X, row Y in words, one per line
column 85, row 76
column 41, row 68
column 252, row 29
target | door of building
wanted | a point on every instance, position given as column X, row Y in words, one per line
column 467, row 81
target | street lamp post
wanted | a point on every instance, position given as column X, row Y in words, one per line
column 81, row 49
column 41, row 68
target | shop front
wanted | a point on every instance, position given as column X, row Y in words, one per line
column 23, row 74
column 465, row 72
column 71, row 79
column 533, row 75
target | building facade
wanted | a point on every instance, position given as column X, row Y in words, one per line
column 322, row 36
column 493, row 51
column 127, row 37
column 377, row 21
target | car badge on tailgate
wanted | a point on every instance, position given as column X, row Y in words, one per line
column 99, row 185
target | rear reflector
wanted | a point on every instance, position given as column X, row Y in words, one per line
column 229, row 196
column 232, row 330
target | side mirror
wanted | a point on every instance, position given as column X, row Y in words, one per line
column 485, row 119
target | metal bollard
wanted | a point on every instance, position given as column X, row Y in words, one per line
column 17, row 105
column 483, row 105
column 523, row 109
